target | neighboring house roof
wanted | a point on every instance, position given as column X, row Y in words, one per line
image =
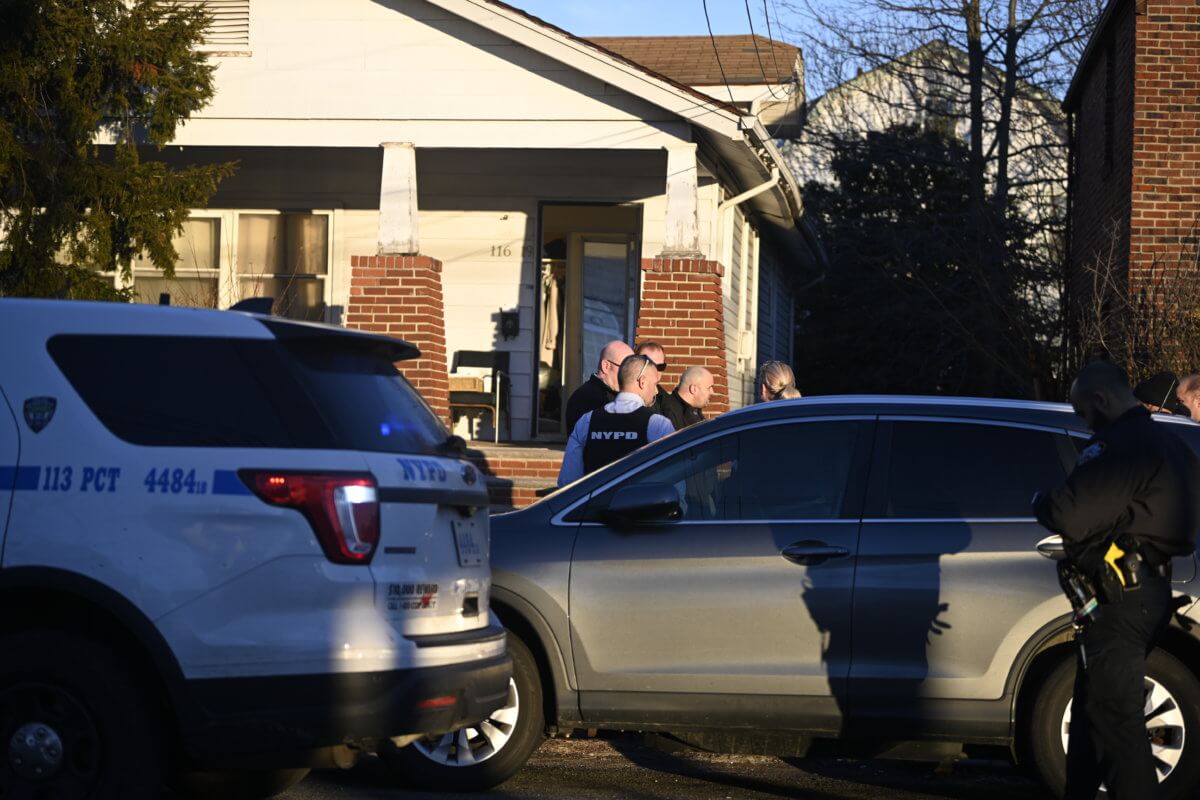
column 747, row 60
column 1092, row 45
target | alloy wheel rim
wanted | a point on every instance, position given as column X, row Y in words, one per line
column 1166, row 727
column 476, row 743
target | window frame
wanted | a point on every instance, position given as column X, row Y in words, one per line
column 334, row 292
column 860, row 460
column 875, row 506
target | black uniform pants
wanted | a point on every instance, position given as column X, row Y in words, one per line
column 1108, row 741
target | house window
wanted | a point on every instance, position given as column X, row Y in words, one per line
column 228, row 256
column 197, row 271
column 284, row 256
column 230, row 26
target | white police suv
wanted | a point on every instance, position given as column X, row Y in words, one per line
column 231, row 543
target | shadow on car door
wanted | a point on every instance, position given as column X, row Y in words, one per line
column 738, row 612
column 949, row 584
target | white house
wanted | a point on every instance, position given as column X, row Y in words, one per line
column 928, row 87
column 523, row 168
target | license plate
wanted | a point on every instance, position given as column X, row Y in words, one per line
column 468, row 539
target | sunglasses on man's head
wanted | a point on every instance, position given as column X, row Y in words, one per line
column 646, row 361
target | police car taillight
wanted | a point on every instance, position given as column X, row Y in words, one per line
column 342, row 509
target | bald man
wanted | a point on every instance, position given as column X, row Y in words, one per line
column 602, row 387
column 1127, row 507
column 685, row 405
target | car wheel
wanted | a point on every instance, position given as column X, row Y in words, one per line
column 252, row 784
column 1172, row 724
column 73, row 722
column 483, row 755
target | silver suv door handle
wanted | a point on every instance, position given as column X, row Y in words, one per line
column 1052, row 547
column 811, row 552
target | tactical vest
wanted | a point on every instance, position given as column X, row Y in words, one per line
column 611, row 436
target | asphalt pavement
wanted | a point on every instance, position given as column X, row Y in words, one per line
column 623, row 768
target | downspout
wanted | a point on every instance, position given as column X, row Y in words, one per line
column 728, row 207
column 738, row 199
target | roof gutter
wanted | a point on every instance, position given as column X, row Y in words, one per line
column 789, row 192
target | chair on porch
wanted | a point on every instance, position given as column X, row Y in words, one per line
column 479, row 381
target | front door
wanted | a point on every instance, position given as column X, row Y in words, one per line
column 589, row 288
column 739, row 609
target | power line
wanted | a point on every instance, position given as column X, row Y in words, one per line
column 717, row 53
column 770, row 35
column 758, row 55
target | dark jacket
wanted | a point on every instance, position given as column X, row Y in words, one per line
column 657, row 406
column 591, row 394
column 676, row 409
column 1135, row 476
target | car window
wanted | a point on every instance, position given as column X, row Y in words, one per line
column 951, row 470
column 364, row 399
column 701, row 474
column 796, row 471
column 186, row 391
column 180, row 391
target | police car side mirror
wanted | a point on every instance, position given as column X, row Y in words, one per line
column 646, row 502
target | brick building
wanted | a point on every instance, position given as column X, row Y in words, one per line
column 1134, row 117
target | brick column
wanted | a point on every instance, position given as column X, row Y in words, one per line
column 402, row 297
column 682, row 310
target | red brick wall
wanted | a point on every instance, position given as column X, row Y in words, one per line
column 516, row 482
column 402, row 297
column 1150, row 192
column 681, row 309
column 1166, row 134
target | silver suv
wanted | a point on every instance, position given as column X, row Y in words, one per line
column 863, row 569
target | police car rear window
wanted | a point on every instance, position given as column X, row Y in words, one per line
column 364, row 399
column 172, row 391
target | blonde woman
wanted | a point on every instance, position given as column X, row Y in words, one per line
column 775, row 378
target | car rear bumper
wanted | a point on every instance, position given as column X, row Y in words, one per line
column 277, row 720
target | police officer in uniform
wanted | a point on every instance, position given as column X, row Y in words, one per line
column 1130, row 504
column 620, row 427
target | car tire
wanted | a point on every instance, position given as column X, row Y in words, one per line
column 253, row 784
column 465, row 760
column 74, row 722
column 1173, row 689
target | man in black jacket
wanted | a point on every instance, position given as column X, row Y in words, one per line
column 684, row 406
column 1134, row 484
column 601, row 386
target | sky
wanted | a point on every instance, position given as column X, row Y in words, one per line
column 652, row 17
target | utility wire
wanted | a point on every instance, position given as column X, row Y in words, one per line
column 758, row 55
column 770, row 35
column 717, row 53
